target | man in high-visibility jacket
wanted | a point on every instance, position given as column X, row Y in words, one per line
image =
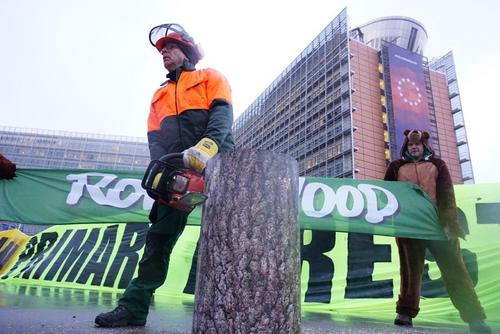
column 192, row 113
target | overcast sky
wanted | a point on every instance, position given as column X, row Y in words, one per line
column 87, row 65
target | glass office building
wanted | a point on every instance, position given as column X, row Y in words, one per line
column 403, row 31
column 334, row 110
column 307, row 111
column 35, row 148
column 446, row 65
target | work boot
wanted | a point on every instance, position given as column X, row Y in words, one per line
column 479, row 326
column 403, row 320
column 119, row 317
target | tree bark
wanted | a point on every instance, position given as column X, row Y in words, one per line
column 248, row 277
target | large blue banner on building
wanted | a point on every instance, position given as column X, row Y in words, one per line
column 409, row 95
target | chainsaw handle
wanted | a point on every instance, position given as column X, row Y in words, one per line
column 158, row 165
column 171, row 156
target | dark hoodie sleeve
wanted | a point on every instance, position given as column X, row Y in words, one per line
column 156, row 150
column 221, row 110
column 220, row 121
column 445, row 196
column 155, row 141
column 7, row 168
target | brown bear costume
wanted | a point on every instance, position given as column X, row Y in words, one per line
column 432, row 175
column 7, row 168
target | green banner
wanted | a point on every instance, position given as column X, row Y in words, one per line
column 349, row 274
column 41, row 196
column 367, row 206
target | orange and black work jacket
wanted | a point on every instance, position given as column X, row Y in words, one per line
column 433, row 177
column 191, row 105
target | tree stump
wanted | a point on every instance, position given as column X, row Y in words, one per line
column 248, row 277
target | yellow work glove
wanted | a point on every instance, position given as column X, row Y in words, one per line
column 196, row 157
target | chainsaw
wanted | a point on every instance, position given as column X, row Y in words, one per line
column 177, row 187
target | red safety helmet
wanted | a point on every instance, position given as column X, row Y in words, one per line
column 175, row 33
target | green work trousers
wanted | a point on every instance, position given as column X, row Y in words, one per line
column 167, row 226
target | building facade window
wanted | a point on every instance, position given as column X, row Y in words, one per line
column 34, row 148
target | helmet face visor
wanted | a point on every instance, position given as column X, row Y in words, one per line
column 163, row 30
column 158, row 36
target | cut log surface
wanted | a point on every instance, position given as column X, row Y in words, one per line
column 248, row 277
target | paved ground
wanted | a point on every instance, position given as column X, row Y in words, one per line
column 42, row 310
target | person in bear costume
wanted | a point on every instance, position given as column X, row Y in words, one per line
column 418, row 165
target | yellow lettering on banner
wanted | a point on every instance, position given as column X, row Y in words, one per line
column 11, row 244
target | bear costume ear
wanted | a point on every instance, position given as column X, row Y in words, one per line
column 425, row 138
column 407, row 131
